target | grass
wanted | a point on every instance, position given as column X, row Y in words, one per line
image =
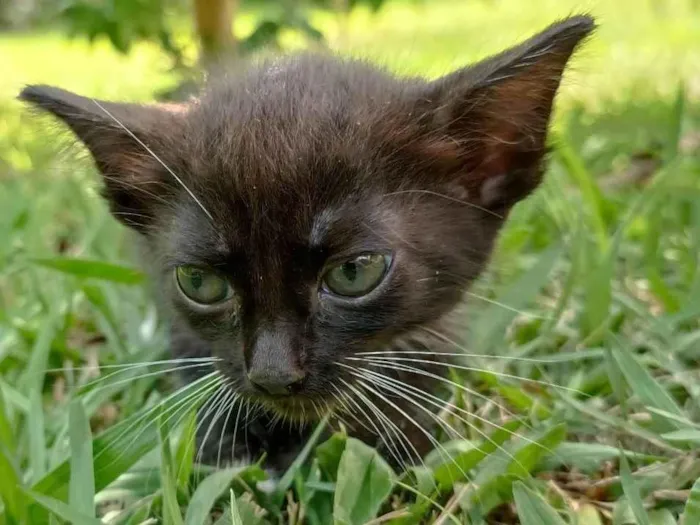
column 595, row 289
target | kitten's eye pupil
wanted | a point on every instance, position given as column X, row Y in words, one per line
column 350, row 271
column 358, row 276
column 202, row 286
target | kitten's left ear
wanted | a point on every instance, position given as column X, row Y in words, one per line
column 496, row 113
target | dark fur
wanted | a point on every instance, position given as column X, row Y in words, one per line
column 306, row 161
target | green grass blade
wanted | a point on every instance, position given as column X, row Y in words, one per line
column 38, row 459
column 531, row 452
column 592, row 194
column 662, row 517
column 364, row 481
column 691, row 513
column 452, row 470
column 33, row 375
column 686, row 435
column 121, row 446
column 93, row 270
column 235, row 514
column 63, row 511
column 675, row 131
column 82, row 478
column 184, row 455
column 632, row 492
column 494, row 319
column 644, row 385
column 208, row 491
column 11, row 493
column 171, row 507
column 288, row 478
column 7, row 437
column 532, row 509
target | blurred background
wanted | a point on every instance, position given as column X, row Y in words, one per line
column 601, row 263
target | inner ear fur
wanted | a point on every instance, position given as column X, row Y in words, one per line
column 495, row 114
column 115, row 135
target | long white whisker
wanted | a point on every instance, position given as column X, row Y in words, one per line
column 223, row 429
column 400, row 367
column 338, row 395
column 145, row 363
column 434, row 441
column 458, row 354
column 213, row 405
column 484, row 420
column 389, row 359
column 389, row 426
column 391, row 446
column 235, row 430
column 384, row 382
column 135, row 378
column 436, row 194
column 197, row 393
column 223, row 403
column 507, row 307
column 439, row 403
column 156, row 157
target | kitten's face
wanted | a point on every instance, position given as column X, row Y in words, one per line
column 315, row 209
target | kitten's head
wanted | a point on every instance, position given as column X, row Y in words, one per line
column 313, row 208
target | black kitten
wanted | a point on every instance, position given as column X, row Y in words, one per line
column 313, row 217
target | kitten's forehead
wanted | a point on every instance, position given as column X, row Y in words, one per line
column 289, row 110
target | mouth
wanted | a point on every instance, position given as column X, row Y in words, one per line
column 297, row 408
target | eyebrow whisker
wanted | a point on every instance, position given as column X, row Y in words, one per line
column 156, row 157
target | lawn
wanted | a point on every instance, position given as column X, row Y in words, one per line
column 581, row 404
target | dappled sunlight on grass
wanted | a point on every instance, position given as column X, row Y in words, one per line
column 586, row 328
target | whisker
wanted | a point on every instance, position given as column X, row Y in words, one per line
column 182, row 413
column 461, row 354
column 507, row 307
column 391, row 446
column 86, row 387
column 427, row 434
column 235, row 430
column 389, row 426
column 143, row 144
column 338, row 395
column 214, row 404
column 389, row 359
column 145, row 363
column 198, row 392
column 400, row 367
column 472, row 414
column 439, row 403
column 223, row 430
column 223, row 405
column 245, row 426
column 448, row 197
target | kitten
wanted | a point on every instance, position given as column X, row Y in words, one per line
column 312, row 210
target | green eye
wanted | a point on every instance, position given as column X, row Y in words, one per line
column 202, row 286
column 358, row 276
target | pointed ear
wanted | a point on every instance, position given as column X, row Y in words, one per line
column 496, row 114
column 118, row 137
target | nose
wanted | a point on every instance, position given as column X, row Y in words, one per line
column 274, row 366
column 277, row 382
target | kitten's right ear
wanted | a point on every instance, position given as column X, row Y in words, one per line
column 492, row 118
column 116, row 134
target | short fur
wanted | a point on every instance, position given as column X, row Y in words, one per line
column 308, row 160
